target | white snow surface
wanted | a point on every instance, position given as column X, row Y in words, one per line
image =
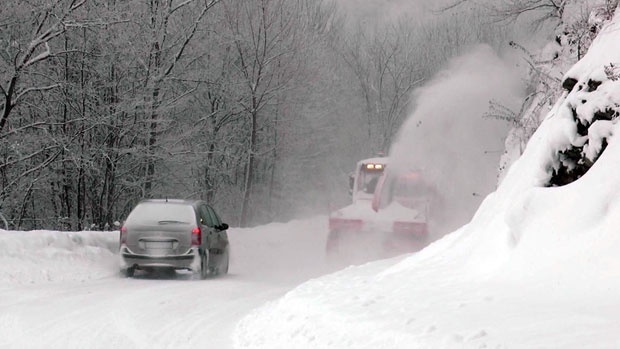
column 537, row 267
column 63, row 289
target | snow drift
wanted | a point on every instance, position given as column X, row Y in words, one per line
column 538, row 265
column 270, row 252
column 63, row 290
column 33, row 257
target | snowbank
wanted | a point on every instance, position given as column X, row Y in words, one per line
column 63, row 289
column 31, row 257
column 536, row 267
column 270, row 253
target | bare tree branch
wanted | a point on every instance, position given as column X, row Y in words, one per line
column 33, row 89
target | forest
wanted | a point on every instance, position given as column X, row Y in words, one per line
column 259, row 107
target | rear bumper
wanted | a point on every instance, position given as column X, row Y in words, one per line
column 189, row 260
column 397, row 236
column 414, row 229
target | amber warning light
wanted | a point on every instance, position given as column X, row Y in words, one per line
column 374, row 166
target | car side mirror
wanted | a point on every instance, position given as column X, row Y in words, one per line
column 223, row 226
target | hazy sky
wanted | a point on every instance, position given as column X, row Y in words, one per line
column 382, row 9
column 373, row 11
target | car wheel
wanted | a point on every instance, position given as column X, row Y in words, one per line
column 204, row 265
column 223, row 269
column 332, row 244
column 129, row 272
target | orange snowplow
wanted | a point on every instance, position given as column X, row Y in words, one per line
column 388, row 214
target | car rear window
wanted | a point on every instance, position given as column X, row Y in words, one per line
column 151, row 213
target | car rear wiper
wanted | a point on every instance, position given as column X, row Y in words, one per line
column 171, row 222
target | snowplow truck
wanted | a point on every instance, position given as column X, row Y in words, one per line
column 387, row 216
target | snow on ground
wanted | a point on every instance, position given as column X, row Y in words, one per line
column 35, row 257
column 537, row 267
column 63, row 289
column 287, row 253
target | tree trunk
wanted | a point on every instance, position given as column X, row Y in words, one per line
column 8, row 102
column 249, row 173
column 208, row 179
column 150, row 164
column 274, row 160
column 152, row 138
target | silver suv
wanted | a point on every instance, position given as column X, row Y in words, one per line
column 174, row 234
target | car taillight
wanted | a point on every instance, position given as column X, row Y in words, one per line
column 196, row 236
column 345, row 224
column 123, row 235
column 414, row 228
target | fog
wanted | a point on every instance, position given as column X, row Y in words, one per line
column 449, row 140
column 382, row 10
column 371, row 12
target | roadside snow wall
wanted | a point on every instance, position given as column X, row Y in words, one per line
column 32, row 257
column 574, row 152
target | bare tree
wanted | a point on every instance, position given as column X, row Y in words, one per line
column 386, row 64
column 49, row 22
column 165, row 52
column 31, row 39
column 268, row 38
column 539, row 12
column 542, row 10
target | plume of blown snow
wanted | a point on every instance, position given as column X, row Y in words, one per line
column 448, row 137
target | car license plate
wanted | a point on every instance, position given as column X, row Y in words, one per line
column 158, row 245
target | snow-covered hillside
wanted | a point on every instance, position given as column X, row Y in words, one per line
column 537, row 267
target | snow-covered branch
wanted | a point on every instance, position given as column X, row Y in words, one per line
column 186, row 42
column 40, row 57
column 33, row 89
column 76, row 4
column 181, row 5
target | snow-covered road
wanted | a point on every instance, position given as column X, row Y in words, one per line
column 142, row 313
column 62, row 290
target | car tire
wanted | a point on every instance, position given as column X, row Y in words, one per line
column 223, row 269
column 129, row 272
column 204, row 265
